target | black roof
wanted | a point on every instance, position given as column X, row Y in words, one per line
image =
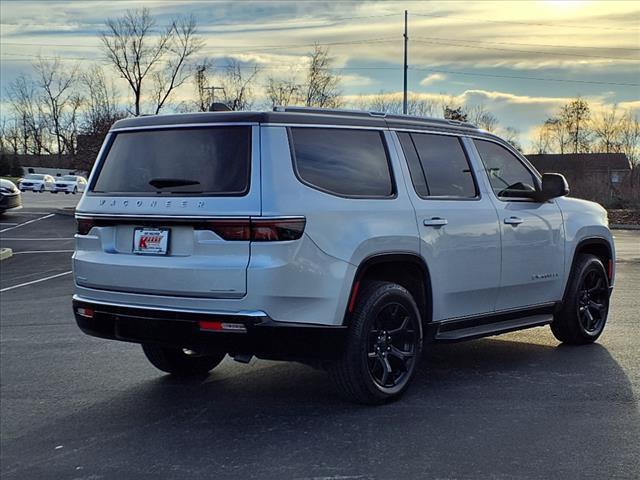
column 579, row 162
column 299, row 115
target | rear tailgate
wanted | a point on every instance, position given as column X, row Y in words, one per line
column 150, row 221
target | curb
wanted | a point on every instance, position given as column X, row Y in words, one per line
column 619, row 226
column 5, row 253
column 69, row 212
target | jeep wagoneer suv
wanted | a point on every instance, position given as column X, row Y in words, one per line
column 345, row 239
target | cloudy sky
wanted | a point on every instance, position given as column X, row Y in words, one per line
column 521, row 59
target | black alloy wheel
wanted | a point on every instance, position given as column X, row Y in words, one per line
column 583, row 313
column 593, row 301
column 383, row 345
column 392, row 346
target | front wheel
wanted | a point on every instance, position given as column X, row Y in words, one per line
column 181, row 361
column 75, row 190
column 383, row 347
column 583, row 315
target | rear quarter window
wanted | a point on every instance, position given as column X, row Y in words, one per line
column 181, row 161
column 343, row 162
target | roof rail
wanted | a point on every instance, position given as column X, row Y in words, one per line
column 362, row 113
column 329, row 111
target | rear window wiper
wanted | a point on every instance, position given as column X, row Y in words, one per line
column 172, row 182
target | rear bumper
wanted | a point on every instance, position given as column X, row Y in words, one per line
column 260, row 335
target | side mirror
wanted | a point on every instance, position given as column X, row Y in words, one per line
column 553, row 185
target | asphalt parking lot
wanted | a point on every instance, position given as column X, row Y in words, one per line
column 514, row 406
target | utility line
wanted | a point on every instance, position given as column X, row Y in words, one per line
column 430, row 42
column 537, row 24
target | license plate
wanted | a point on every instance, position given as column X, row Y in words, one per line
column 151, row 241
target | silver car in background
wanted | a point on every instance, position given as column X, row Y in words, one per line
column 69, row 184
column 10, row 196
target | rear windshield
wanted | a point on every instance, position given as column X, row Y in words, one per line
column 190, row 161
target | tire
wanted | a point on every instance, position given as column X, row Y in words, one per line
column 75, row 190
column 583, row 315
column 385, row 335
column 177, row 362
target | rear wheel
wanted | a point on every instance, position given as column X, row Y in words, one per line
column 584, row 312
column 181, row 361
column 383, row 347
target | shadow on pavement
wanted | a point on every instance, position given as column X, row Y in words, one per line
column 491, row 408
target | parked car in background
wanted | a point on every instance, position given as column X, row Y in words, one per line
column 69, row 184
column 36, row 182
column 10, row 196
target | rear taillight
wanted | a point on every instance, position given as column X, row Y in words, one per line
column 85, row 225
column 228, row 229
column 257, row 230
column 274, row 230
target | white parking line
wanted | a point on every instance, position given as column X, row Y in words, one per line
column 19, row 213
column 43, row 251
column 35, row 281
column 27, row 223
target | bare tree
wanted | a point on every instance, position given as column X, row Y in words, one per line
column 512, row 135
column 10, row 136
column 322, row 85
column 543, row 143
column 201, row 81
column 136, row 56
column 182, row 45
column 630, row 137
column 101, row 107
column 58, row 86
column 282, row 92
column 391, row 103
column 28, row 122
column 483, row 118
column 559, row 133
column 575, row 116
column 237, row 88
column 607, row 130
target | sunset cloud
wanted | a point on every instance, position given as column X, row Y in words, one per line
column 520, row 59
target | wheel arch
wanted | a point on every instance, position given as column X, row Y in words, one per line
column 404, row 268
column 598, row 246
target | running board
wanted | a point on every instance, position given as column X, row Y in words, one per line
column 459, row 330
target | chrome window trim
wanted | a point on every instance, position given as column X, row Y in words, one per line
column 185, row 125
column 319, row 125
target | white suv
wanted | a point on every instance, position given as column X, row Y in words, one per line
column 344, row 239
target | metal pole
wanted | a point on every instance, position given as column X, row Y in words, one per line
column 406, row 38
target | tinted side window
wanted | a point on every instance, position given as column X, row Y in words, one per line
column 507, row 175
column 445, row 166
column 341, row 161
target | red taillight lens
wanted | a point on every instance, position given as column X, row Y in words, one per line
column 85, row 312
column 257, row 230
column 274, row 230
column 229, row 229
column 85, row 225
